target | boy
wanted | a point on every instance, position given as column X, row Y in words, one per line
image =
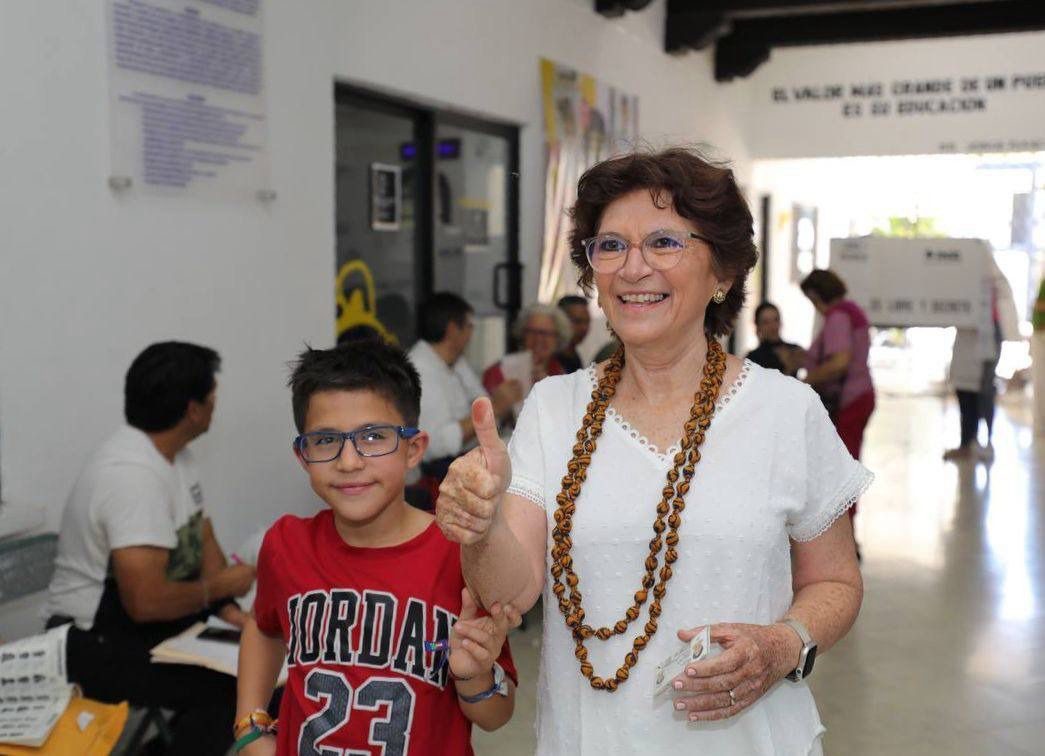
column 361, row 598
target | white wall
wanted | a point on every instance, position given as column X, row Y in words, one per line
column 1013, row 118
column 88, row 278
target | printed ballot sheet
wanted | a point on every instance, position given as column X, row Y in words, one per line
column 34, row 688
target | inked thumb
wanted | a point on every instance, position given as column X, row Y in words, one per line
column 486, row 430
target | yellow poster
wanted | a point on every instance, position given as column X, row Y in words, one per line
column 585, row 121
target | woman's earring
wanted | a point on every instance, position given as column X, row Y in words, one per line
column 720, row 296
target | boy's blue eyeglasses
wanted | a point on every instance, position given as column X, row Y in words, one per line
column 371, row 441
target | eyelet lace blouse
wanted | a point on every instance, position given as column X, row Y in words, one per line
column 772, row 468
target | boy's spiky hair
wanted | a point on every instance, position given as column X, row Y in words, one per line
column 356, row 366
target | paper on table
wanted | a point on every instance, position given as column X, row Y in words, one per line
column 518, row 366
column 188, row 648
column 34, row 689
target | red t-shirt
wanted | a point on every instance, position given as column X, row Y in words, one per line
column 354, row 621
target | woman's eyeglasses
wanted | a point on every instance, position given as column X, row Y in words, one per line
column 661, row 250
column 372, row 441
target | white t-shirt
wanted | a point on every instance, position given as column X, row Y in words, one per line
column 772, row 468
column 128, row 494
column 446, row 398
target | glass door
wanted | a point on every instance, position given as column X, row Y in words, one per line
column 379, row 280
column 426, row 201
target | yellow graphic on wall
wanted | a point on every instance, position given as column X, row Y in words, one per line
column 356, row 300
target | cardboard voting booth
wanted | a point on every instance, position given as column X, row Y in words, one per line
column 917, row 282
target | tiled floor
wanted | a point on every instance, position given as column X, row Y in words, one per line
column 948, row 655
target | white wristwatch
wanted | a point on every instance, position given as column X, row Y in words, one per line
column 808, row 655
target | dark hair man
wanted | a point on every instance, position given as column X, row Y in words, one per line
column 448, row 383
column 576, row 309
column 137, row 558
column 772, row 351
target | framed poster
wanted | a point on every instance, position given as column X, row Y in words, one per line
column 386, row 192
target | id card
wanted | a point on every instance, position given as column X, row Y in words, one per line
column 675, row 664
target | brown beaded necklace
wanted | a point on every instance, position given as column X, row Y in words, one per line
column 669, row 516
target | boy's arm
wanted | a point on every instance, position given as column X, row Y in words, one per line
column 260, row 660
column 475, row 644
column 492, row 713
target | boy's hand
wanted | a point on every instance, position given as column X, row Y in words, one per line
column 471, row 492
column 476, row 642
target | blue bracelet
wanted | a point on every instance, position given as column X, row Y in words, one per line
column 499, row 687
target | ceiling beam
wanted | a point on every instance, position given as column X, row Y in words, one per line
column 911, row 23
column 761, row 8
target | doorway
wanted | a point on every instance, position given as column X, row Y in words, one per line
column 426, row 201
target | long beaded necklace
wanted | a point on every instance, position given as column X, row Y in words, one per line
column 669, row 516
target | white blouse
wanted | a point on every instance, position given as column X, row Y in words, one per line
column 772, row 468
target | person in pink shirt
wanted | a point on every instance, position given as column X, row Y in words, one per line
column 836, row 362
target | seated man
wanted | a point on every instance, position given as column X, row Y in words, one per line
column 137, row 559
column 773, row 352
column 448, row 383
column 576, row 309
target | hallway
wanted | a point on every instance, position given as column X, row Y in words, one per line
column 948, row 654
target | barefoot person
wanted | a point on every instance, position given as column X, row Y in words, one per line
column 668, row 489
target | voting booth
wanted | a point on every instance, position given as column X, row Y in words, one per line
column 917, row 282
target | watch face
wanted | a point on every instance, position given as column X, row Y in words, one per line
column 810, row 658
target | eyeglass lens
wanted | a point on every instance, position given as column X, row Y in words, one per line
column 661, row 249
column 323, row 446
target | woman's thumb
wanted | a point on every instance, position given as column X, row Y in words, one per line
column 485, row 426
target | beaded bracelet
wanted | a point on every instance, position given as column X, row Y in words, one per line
column 257, row 721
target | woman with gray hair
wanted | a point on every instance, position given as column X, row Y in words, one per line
column 541, row 330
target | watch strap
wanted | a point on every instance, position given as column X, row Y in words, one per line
column 807, row 655
column 800, row 629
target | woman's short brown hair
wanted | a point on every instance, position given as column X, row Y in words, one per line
column 825, row 284
column 699, row 190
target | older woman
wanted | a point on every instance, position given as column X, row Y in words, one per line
column 542, row 330
column 736, row 469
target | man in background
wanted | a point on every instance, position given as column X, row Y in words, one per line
column 772, row 351
column 576, row 309
column 448, row 383
column 137, row 558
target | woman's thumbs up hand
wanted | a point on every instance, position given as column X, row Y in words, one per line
column 471, row 492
